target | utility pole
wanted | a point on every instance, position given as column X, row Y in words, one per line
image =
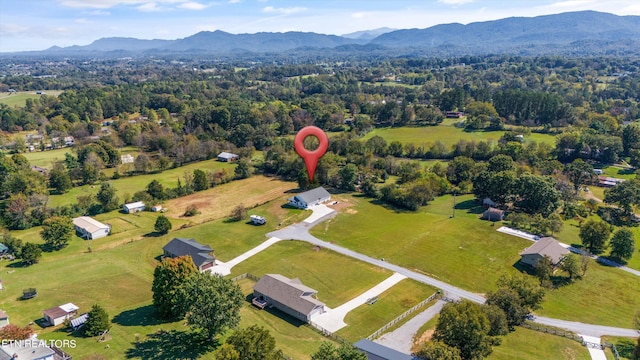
column 453, row 214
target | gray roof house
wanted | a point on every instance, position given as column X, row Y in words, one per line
column 375, row 351
column 289, row 296
column 493, row 214
column 310, row 198
column 89, row 228
column 28, row 350
column 202, row 255
column 228, row 157
column 546, row 246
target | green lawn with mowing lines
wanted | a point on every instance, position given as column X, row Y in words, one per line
column 449, row 135
column 366, row 319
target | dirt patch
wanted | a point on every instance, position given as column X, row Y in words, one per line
column 217, row 202
column 425, row 337
column 341, row 204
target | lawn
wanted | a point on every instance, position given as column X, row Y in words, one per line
column 447, row 134
column 336, row 277
column 366, row 319
column 606, row 296
column 469, row 253
column 525, row 344
column 296, row 340
column 46, row 158
column 132, row 184
column 20, row 98
column 463, row 251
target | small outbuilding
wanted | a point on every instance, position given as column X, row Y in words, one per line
column 4, row 319
column 78, row 322
column 493, row 214
column 310, row 198
column 487, row 203
column 228, row 157
column 90, row 229
column 287, row 295
column 133, row 207
column 156, row 208
column 57, row 315
column 3, row 249
column 202, row 255
column 546, row 246
column 127, row 159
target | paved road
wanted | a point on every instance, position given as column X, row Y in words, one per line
column 401, row 339
column 301, row 232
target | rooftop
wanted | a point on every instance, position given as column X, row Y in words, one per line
column 289, row 292
column 89, row 224
column 547, row 246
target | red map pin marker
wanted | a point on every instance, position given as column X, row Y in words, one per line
column 311, row 157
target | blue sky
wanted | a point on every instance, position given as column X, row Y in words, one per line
column 40, row 24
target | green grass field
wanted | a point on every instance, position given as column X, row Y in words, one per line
column 20, row 98
column 447, row 134
column 528, row 344
column 469, row 253
column 337, row 278
column 366, row 319
column 463, row 251
column 129, row 185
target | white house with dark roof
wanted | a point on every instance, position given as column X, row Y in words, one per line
column 202, row 255
column 89, row 228
column 57, row 315
column 310, row 198
column 228, row 157
column 289, row 296
column 546, row 246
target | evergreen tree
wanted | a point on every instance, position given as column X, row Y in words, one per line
column 98, row 321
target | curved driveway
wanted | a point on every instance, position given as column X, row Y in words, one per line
column 300, row 231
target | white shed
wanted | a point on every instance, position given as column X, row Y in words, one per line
column 90, row 228
column 133, row 207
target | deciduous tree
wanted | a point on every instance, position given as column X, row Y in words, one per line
column 465, row 326
column 57, row 231
column 622, row 244
column 255, row 342
column 438, row 350
column 594, row 235
column 168, row 276
column 31, row 253
column 162, row 225
column 15, row 332
column 210, row 303
column 59, row 178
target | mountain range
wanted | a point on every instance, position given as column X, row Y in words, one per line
column 561, row 33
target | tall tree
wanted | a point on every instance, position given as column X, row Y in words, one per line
column 243, row 169
column 156, row 189
column 536, row 194
column 571, row 265
column 594, row 235
column 328, row 351
column 437, row 350
column 98, row 321
column 622, row 244
column 59, row 178
column 168, row 276
column 162, row 225
column 226, row 352
column 106, row 196
column 57, row 231
column 579, row 173
column 30, row 253
column 465, row 326
column 200, row 181
column 210, row 303
column 625, row 195
column 255, row 342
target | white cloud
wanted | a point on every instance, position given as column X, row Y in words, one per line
column 97, row 13
column 106, row 4
column 192, row 5
column 234, row 1
column 149, row 7
column 455, row 2
column 82, row 21
column 285, row 11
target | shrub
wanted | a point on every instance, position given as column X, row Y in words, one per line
column 191, row 211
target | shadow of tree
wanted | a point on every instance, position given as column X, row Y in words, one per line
column 471, row 206
column 172, row 344
column 144, row 315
